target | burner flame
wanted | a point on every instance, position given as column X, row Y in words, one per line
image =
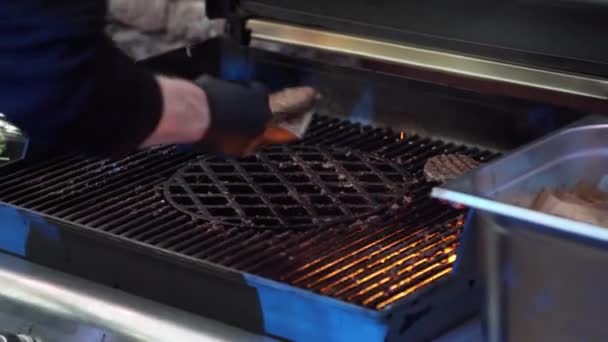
column 363, row 111
column 417, row 259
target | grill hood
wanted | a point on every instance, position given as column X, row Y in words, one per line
column 526, row 49
column 560, row 35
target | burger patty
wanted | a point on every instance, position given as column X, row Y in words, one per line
column 292, row 101
column 445, row 167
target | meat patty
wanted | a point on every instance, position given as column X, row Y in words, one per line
column 292, row 101
column 293, row 109
column 445, row 167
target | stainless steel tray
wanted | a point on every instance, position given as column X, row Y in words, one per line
column 546, row 276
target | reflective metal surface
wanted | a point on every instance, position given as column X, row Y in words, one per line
column 508, row 186
column 6, row 337
column 13, row 142
column 454, row 64
column 51, row 306
column 543, row 273
column 552, row 34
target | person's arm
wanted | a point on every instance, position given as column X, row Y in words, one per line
column 185, row 117
column 64, row 83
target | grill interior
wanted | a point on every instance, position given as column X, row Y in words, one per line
column 288, row 187
column 372, row 262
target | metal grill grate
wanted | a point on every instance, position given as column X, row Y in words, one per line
column 372, row 263
column 288, row 187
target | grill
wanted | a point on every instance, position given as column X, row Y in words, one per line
column 288, row 188
column 373, row 262
column 334, row 238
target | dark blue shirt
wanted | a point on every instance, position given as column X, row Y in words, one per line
column 64, row 83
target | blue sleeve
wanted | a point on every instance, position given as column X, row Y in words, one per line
column 64, row 83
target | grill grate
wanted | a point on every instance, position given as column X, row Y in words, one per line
column 372, row 262
column 288, row 187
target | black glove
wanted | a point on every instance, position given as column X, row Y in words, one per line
column 240, row 113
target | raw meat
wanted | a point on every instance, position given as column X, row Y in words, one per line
column 445, row 167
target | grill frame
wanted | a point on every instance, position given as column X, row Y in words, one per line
column 112, row 260
column 240, row 298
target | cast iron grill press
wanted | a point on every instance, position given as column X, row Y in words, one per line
column 143, row 224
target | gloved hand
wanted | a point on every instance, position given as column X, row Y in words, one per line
column 242, row 118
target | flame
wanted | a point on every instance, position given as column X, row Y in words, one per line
column 402, row 135
column 377, row 262
column 389, row 266
column 364, row 274
column 451, row 259
column 359, row 250
column 402, row 271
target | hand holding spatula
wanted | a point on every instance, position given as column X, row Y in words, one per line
column 244, row 116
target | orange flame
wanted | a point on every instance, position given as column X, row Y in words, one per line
column 390, row 264
column 346, row 275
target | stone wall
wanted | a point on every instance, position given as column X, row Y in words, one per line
column 143, row 28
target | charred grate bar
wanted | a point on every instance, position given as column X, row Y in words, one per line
column 371, row 263
column 288, row 187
